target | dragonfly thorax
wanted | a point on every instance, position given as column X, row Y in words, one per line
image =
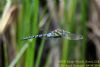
column 58, row 33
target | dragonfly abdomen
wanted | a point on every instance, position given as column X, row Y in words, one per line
column 37, row 36
column 29, row 37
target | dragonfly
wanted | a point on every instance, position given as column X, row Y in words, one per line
column 58, row 33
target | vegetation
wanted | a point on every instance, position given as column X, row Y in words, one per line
column 22, row 18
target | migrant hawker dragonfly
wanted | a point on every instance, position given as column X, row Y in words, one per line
column 58, row 33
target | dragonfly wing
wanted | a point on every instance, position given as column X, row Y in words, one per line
column 74, row 37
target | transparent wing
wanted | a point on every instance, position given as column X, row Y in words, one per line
column 71, row 36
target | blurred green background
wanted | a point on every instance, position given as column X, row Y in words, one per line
column 22, row 18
